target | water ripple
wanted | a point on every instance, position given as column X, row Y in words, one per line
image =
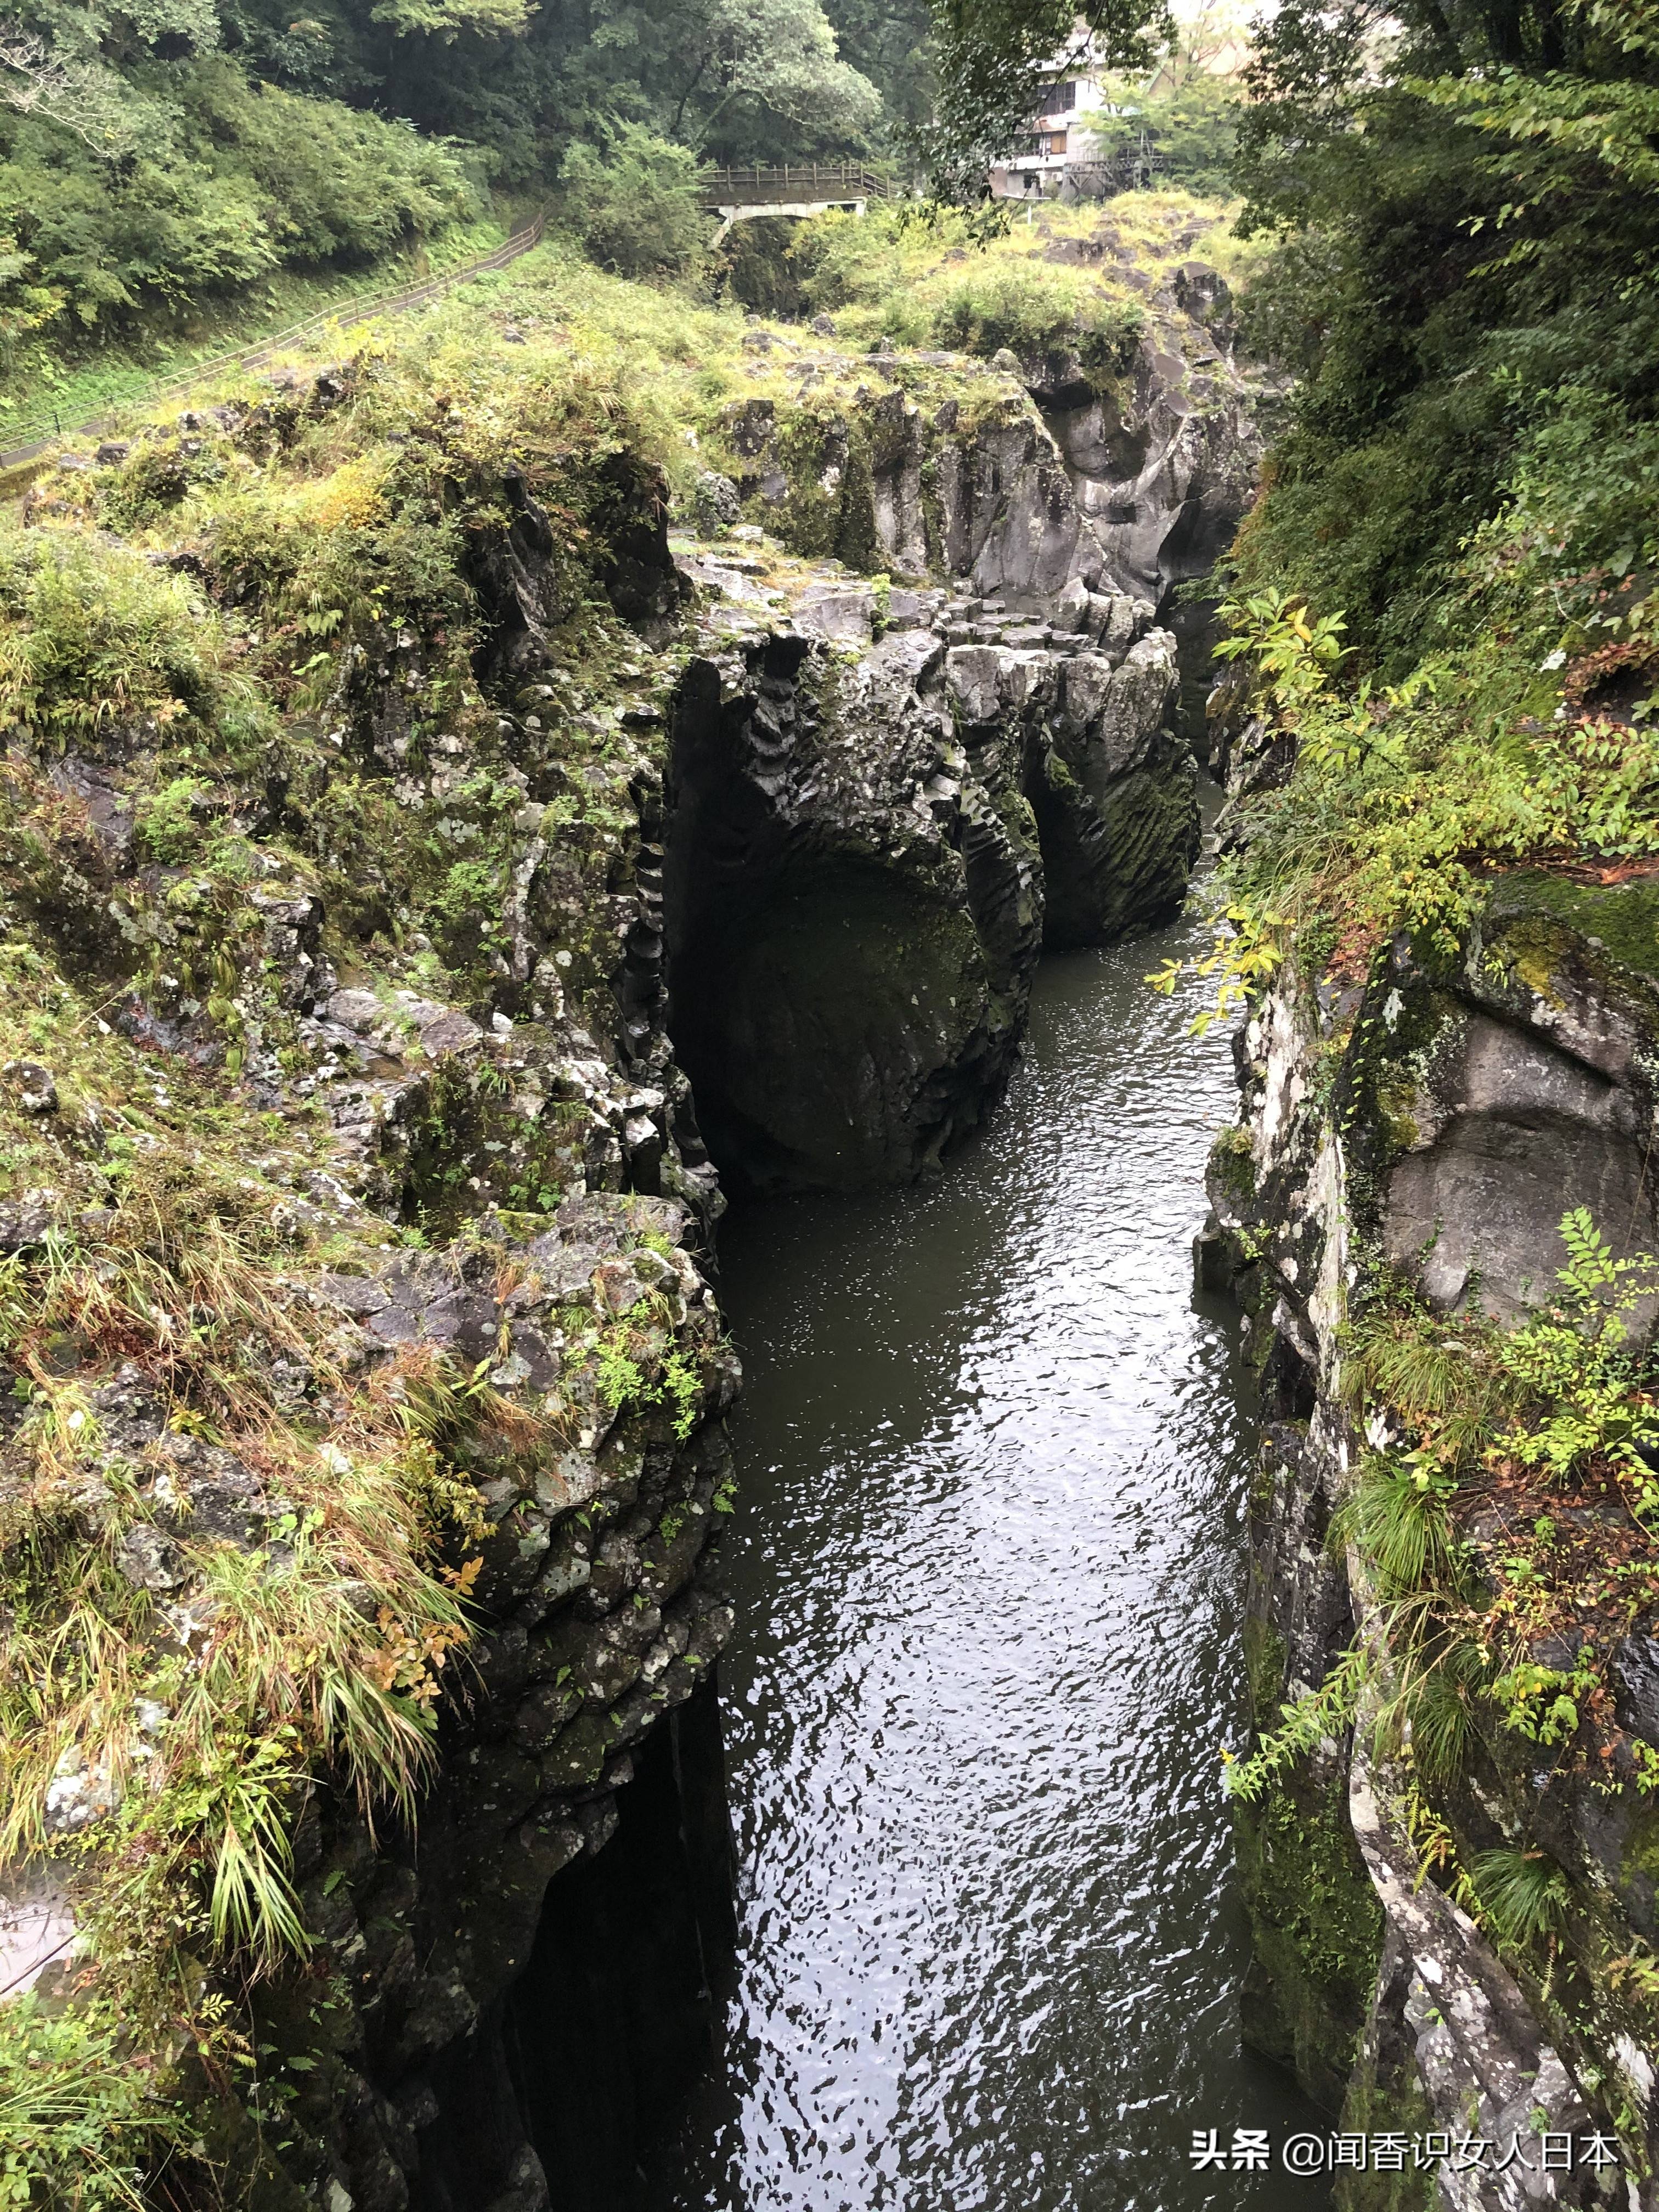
column 988, row 1568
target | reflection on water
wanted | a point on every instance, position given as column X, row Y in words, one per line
column 988, row 1568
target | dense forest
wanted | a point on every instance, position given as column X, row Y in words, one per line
column 155, row 158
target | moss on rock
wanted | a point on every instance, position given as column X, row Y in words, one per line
column 1317, row 1929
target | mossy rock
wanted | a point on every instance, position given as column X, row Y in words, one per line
column 1317, row 1932
column 1623, row 917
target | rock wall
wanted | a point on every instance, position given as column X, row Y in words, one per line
column 877, row 817
column 1023, row 475
column 1440, row 1119
column 401, row 970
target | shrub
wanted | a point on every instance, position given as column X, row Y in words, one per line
column 228, row 183
column 634, row 203
column 93, row 634
column 81, row 2125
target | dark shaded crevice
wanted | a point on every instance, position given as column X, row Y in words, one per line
column 831, row 1003
column 580, row 2074
column 1116, row 857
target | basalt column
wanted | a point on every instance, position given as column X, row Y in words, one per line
column 852, row 915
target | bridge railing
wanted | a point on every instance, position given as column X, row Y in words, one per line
column 796, row 182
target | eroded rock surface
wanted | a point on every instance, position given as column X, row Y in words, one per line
column 878, row 815
column 1443, row 1118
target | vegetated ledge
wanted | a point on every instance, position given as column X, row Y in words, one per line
column 364, row 1440
column 1449, row 1845
column 362, row 1446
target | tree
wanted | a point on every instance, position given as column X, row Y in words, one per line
column 781, row 53
column 1467, row 195
column 989, row 54
column 635, row 204
column 82, row 96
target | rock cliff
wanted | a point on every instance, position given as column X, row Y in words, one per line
column 878, row 811
column 1407, row 1150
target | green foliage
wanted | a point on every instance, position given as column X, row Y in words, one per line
column 1399, row 1519
column 1558, row 1401
column 166, row 821
column 927, row 276
column 1545, row 1704
column 684, row 1385
column 1035, row 309
column 624, row 1357
column 1571, row 1366
column 230, row 182
column 618, row 1377
column 636, row 204
column 1191, row 127
column 80, row 2124
column 1245, row 953
column 1523, row 1895
column 1513, row 164
column 93, row 636
column 1443, row 1677
column 1400, row 790
column 1304, row 1723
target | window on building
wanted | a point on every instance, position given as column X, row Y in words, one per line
column 1059, row 98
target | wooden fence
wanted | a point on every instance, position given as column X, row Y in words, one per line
column 41, row 425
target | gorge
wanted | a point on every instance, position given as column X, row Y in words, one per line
column 604, row 821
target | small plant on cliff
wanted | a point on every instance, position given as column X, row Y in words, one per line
column 1245, row 955
column 1304, row 1723
column 1400, row 1516
column 1523, row 1895
column 1500, row 1427
column 626, row 1354
column 1572, row 1370
column 81, row 2126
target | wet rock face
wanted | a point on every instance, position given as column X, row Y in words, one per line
column 847, row 983
column 1027, row 475
column 598, row 1625
column 527, row 585
column 1112, row 790
column 1162, row 465
column 1163, row 462
column 870, row 840
column 1475, row 1100
column 918, row 486
column 1499, row 1101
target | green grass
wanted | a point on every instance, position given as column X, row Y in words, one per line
column 49, row 390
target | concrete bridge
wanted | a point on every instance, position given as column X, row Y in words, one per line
column 793, row 188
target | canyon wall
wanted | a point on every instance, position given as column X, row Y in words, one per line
column 1436, row 1122
column 406, row 973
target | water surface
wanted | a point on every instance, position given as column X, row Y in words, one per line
column 987, row 1563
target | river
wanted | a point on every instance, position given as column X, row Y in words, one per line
column 988, row 1564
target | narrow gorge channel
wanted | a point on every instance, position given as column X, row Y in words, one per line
column 987, row 1565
